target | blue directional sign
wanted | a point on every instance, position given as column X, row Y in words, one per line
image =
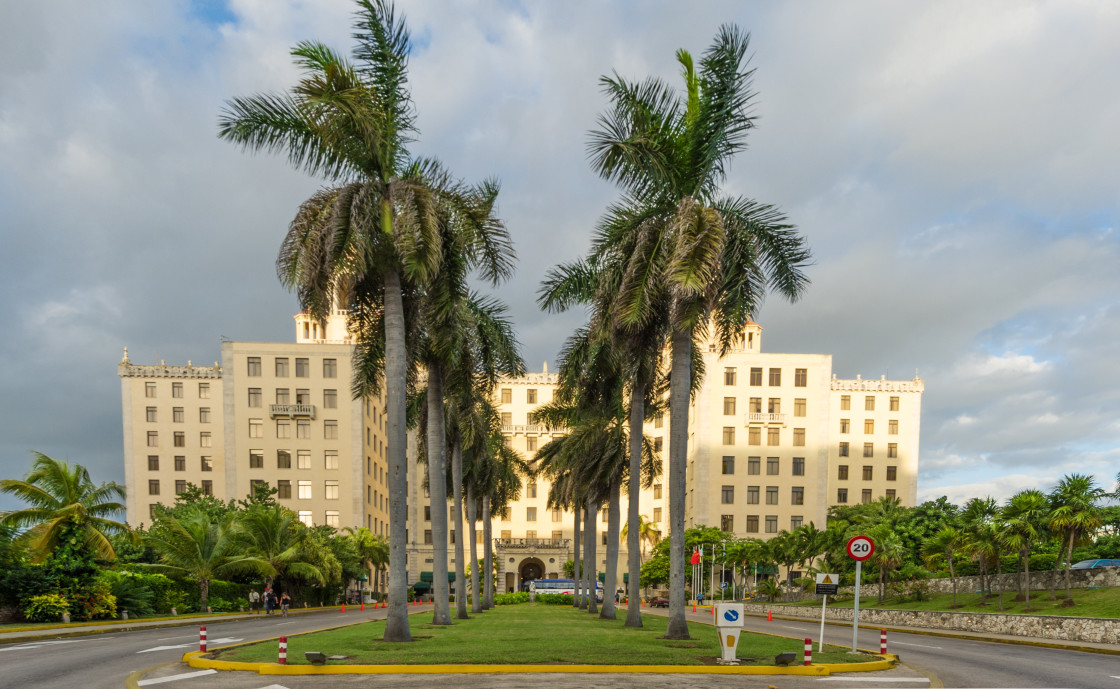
column 731, row 615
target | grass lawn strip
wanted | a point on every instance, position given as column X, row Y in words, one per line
column 532, row 634
column 1101, row 603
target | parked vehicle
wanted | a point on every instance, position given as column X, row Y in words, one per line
column 658, row 602
column 1093, row 564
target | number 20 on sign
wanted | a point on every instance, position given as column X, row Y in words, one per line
column 860, row 548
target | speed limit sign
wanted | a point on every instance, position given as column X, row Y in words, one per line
column 860, row 548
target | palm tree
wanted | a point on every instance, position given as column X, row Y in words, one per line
column 65, row 508
column 199, row 546
column 693, row 258
column 945, row 545
column 364, row 243
column 648, row 534
column 372, row 549
column 1075, row 515
column 980, row 542
column 1026, row 513
column 274, row 534
column 889, row 553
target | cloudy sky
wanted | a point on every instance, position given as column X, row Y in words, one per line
column 955, row 167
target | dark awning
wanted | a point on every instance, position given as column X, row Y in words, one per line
column 427, row 576
column 625, row 577
column 421, row 586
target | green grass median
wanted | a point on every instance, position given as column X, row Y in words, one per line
column 532, row 634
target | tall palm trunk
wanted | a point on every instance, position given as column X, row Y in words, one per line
column 680, row 382
column 953, row 579
column 437, row 487
column 396, row 624
column 460, row 558
column 633, row 512
column 488, row 550
column 1069, row 560
column 203, row 594
column 472, row 518
column 613, row 528
column 591, row 537
column 1027, row 577
column 577, row 571
column 999, row 580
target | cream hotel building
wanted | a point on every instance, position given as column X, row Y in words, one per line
column 774, row 441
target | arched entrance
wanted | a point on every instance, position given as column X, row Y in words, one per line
column 530, row 568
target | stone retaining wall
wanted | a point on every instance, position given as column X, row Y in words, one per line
column 1090, row 629
column 1040, row 581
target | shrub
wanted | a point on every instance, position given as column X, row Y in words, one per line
column 555, row 598
column 94, row 602
column 131, row 592
column 511, row 598
column 45, row 608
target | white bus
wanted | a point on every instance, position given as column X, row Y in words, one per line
column 561, row 586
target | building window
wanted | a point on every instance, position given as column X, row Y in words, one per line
column 728, row 465
column 507, row 396
column 330, row 430
column 150, row 414
column 894, row 404
column 756, row 376
column 304, row 490
column 869, row 449
column 427, row 513
column 657, row 515
column 842, row 495
column 306, row 519
column 657, row 491
column 180, row 486
column 283, row 429
column 256, row 459
column 799, row 406
column 330, row 489
column 798, row 466
column 728, row 406
column 892, row 450
column 845, row 402
column 207, row 487
column 557, row 515
column 281, row 367
column 153, row 486
column 303, row 368
column 531, row 443
column 845, row 425
column 868, row 472
column 204, row 391
column 333, row 518
column 773, row 436
column 303, row 459
column 207, row 463
column 330, row 399
column 659, row 421
column 330, row 459
column 754, row 466
column 254, row 366
column 204, row 415
column 180, row 463
column 507, row 419
column 284, row 489
column 204, row 439
column 283, row 396
column 530, row 514
column 772, row 466
column 865, row 496
column 775, row 377
column 531, row 490
column 531, row 396
column 842, row 472
column 177, row 415
column 283, row 459
column 890, row 493
column 754, row 435
column 726, row 523
column 892, row 473
column 149, row 389
column 254, row 397
column 869, row 426
column 756, row 405
column 752, row 523
column 796, row 522
column 179, row 439
column 727, row 495
column 728, row 435
column 799, row 437
column 772, row 523
column 797, row 496
column 843, row 449
column 729, row 375
column 256, row 428
column 752, row 495
column 774, row 405
column 771, row 495
column 177, row 390
column 800, row 377
column 153, row 438
column 869, row 403
column 330, row 368
column 153, row 462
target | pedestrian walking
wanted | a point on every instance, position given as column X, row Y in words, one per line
column 285, row 601
column 268, row 601
column 254, row 601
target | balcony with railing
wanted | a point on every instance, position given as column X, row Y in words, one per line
column 291, row 410
column 519, row 543
column 765, row 418
column 526, row 429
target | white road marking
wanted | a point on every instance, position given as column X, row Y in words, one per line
column 183, row 636
column 873, row 679
column 172, row 678
column 36, row 644
column 280, row 686
column 903, row 643
column 211, row 642
column 784, row 626
column 282, row 624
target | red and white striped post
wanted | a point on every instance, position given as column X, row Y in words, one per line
column 283, row 650
column 202, row 638
column 882, row 642
column 808, row 651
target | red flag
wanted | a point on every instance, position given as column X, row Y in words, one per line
column 695, row 557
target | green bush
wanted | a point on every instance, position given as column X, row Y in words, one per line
column 555, row 598
column 511, row 598
column 94, row 602
column 45, row 608
column 132, row 593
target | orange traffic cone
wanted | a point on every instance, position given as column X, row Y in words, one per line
column 643, row 604
column 769, row 615
column 363, row 606
column 694, row 608
column 344, row 607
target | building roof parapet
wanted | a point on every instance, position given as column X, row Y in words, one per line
column 536, row 378
column 162, row 370
column 880, row 385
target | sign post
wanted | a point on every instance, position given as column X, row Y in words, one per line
column 859, row 549
column 827, row 585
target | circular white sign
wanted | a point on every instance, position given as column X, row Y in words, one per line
column 860, row 548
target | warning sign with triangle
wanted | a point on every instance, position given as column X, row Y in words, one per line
column 828, row 584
